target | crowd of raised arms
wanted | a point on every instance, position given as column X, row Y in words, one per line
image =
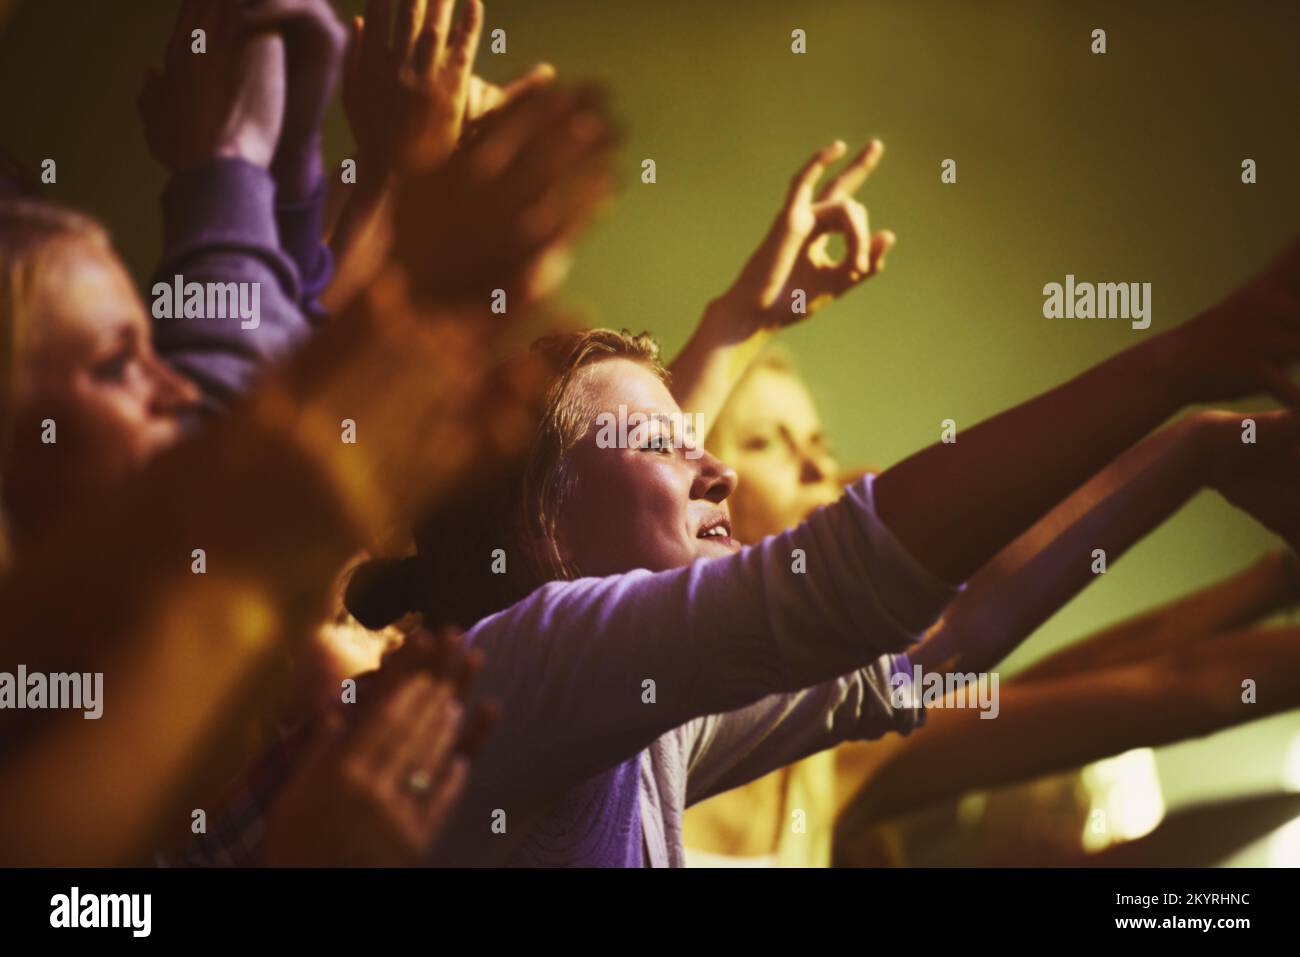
column 330, row 509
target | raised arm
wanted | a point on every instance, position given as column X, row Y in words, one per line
column 1268, row 586
column 1051, row 725
column 572, row 662
column 277, row 502
column 314, row 42
column 792, row 259
column 1034, row 576
column 214, row 119
column 410, row 101
column 1014, row 467
column 1181, row 627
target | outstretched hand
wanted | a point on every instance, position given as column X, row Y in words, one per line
column 1262, row 477
column 406, row 99
column 1244, row 345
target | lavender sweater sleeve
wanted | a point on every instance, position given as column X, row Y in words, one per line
column 219, row 227
column 302, row 230
column 593, row 671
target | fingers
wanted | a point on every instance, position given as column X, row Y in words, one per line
column 462, row 46
column 850, row 219
column 801, row 187
column 1279, row 385
column 557, row 148
column 430, row 734
column 881, row 244
column 507, row 132
column 438, row 17
column 424, row 58
column 573, row 186
column 850, row 179
column 420, row 651
column 406, row 24
column 443, row 799
column 538, row 76
column 484, row 97
column 380, row 731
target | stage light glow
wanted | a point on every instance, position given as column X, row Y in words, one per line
column 1284, row 845
column 1127, row 801
column 1291, row 765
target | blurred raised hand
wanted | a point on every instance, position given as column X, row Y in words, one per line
column 503, row 211
column 484, row 97
column 407, row 82
column 412, row 99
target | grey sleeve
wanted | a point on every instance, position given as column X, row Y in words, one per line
column 728, row 750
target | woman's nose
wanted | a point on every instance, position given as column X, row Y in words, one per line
column 714, row 481
column 811, row 471
column 173, row 392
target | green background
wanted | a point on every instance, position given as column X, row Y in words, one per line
column 1121, row 167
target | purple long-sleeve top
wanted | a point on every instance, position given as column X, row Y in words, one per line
column 628, row 698
column 222, row 224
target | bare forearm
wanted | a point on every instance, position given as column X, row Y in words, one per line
column 1265, row 587
column 1030, row 579
column 360, row 243
column 1055, row 725
column 713, row 361
column 955, row 505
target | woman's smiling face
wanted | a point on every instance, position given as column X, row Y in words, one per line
column 658, row 503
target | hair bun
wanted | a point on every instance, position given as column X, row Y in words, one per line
column 385, row 590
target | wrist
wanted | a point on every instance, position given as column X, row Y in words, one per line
column 727, row 322
column 249, row 149
column 297, row 168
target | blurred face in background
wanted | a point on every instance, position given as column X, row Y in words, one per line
column 87, row 364
column 770, row 433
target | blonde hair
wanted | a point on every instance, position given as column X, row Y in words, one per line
column 772, row 359
column 29, row 231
